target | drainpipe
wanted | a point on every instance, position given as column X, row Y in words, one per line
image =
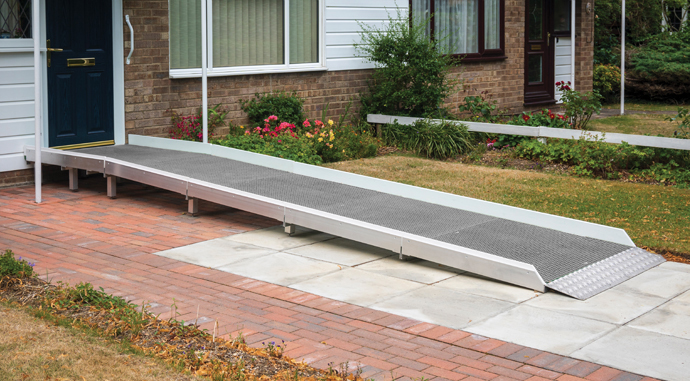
column 623, row 59
column 204, row 73
column 572, row 41
column 36, row 34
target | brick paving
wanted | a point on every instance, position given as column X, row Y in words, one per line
column 87, row 237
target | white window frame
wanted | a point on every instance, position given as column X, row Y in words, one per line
column 258, row 69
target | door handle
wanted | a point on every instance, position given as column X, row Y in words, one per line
column 548, row 39
column 49, row 51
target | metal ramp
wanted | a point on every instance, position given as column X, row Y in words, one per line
column 525, row 248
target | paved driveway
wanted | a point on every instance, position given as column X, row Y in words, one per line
column 334, row 300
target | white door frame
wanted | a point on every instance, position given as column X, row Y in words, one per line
column 118, row 73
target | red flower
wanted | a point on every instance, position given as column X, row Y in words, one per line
column 525, row 117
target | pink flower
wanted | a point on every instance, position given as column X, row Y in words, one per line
column 306, row 123
column 280, row 141
column 272, row 117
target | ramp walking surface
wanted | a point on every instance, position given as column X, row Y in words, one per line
column 555, row 254
column 143, row 246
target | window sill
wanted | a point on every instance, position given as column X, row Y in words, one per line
column 484, row 59
column 231, row 72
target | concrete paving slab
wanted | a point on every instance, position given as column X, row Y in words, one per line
column 478, row 285
column 341, row 251
column 413, row 269
column 542, row 329
column 281, row 268
column 660, row 282
column 673, row 318
column 276, row 238
column 611, row 306
column 356, row 286
column 643, row 352
column 675, row 266
column 216, row 252
column 442, row 306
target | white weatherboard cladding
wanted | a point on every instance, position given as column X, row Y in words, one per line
column 343, row 18
column 562, row 62
column 16, row 103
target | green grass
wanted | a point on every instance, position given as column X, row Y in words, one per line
column 653, row 215
column 638, row 105
column 636, row 124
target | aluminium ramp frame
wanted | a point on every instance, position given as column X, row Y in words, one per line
column 582, row 283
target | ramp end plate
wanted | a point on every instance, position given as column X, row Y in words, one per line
column 605, row 274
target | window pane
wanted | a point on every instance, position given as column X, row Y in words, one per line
column 15, row 18
column 534, row 70
column 492, row 24
column 421, row 11
column 561, row 16
column 535, row 19
column 185, row 34
column 304, row 31
column 248, row 32
column 456, row 25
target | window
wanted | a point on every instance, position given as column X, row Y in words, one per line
column 470, row 28
column 15, row 18
column 561, row 17
column 246, row 36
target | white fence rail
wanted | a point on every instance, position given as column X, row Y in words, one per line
column 548, row 132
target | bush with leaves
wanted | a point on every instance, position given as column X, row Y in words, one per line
column 590, row 156
column 15, row 267
column 660, row 69
column 607, row 82
column 543, row 118
column 411, row 77
column 683, row 119
column 480, row 108
column 579, row 107
column 190, row 127
column 436, row 140
column 287, row 107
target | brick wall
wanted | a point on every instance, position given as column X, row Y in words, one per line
column 584, row 46
column 150, row 93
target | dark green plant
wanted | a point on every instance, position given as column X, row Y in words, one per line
column 481, row 108
column 590, row 156
column 661, row 68
column 543, row 118
column 436, row 140
column 579, row 107
column 412, row 71
column 10, row 266
column 287, row 107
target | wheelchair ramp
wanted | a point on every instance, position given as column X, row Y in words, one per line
column 515, row 252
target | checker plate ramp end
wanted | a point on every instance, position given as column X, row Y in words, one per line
column 600, row 276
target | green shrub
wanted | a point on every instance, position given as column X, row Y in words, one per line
column 543, row 118
column 431, row 139
column 287, row 107
column 683, row 117
column 607, row 81
column 411, row 75
column 9, row 266
column 591, row 157
column 480, row 108
column 189, row 127
column 579, row 107
column 661, row 68
column 286, row 147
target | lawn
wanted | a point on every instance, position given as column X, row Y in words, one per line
column 35, row 349
column 644, row 106
column 653, row 215
column 636, row 124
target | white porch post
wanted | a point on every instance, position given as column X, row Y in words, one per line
column 572, row 41
column 36, row 35
column 623, row 59
column 204, row 72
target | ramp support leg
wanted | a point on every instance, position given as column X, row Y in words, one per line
column 290, row 229
column 73, row 179
column 112, row 186
column 193, row 206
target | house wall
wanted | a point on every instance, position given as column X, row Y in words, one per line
column 584, row 46
column 151, row 94
column 17, row 125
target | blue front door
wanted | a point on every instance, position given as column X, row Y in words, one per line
column 80, row 77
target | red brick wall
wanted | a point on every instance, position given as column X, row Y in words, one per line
column 584, row 46
column 150, row 92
